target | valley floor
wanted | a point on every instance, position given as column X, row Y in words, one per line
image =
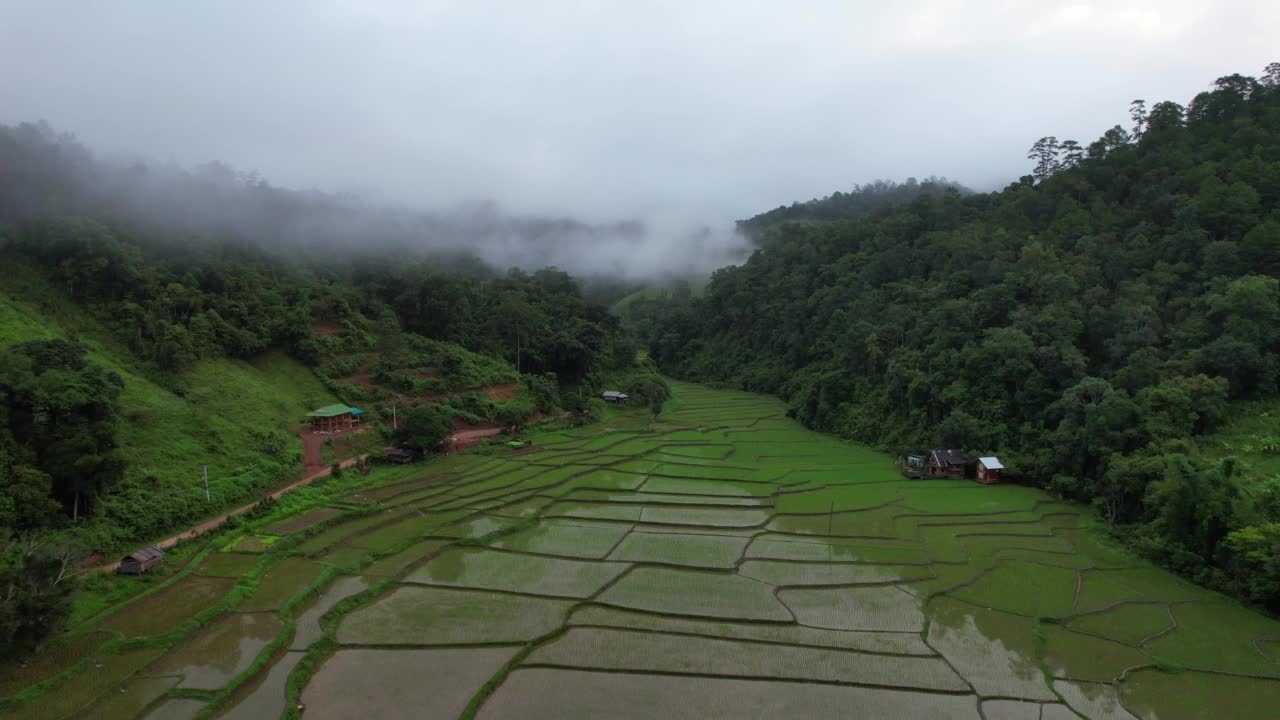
column 724, row 562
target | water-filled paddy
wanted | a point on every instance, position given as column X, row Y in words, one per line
column 726, row 563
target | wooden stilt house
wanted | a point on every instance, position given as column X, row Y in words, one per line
column 334, row 418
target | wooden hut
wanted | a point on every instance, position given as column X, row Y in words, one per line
column 989, row 470
column 334, row 418
column 613, row 396
column 142, row 560
column 946, row 463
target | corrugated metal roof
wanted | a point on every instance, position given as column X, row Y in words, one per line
column 991, row 463
column 330, row 411
column 146, row 553
column 613, row 394
column 948, row 457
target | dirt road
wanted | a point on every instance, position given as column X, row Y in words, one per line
column 208, row 525
column 464, row 439
column 314, row 469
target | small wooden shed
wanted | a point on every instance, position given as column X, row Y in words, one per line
column 614, row 396
column 141, row 560
column 947, row 463
column 989, row 470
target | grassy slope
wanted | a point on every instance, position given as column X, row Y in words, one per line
column 170, row 437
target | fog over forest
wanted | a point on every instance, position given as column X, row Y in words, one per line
column 601, row 139
column 50, row 174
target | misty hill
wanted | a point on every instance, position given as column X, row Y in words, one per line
column 854, row 204
column 1090, row 324
column 206, row 353
column 52, row 175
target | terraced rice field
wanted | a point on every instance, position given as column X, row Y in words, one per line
column 725, row 563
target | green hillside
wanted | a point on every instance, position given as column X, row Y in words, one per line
column 235, row 416
column 1108, row 325
column 378, row 367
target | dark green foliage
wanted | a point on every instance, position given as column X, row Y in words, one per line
column 36, row 585
column 1087, row 323
column 858, row 202
column 537, row 322
column 1255, row 563
column 544, row 391
column 648, row 389
column 58, row 415
column 425, row 428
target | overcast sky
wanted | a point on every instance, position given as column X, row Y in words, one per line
column 702, row 111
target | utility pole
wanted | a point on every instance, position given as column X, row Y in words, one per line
column 206, row 484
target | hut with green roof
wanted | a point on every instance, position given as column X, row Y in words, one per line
column 334, row 418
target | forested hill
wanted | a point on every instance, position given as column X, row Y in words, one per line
column 1087, row 324
column 854, row 204
column 46, row 173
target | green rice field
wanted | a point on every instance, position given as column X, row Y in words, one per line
column 722, row 562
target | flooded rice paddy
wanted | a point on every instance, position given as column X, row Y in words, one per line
column 723, row 564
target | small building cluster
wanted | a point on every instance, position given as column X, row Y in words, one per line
column 334, row 418
column 950, row 463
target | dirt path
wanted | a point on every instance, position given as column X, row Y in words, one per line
column 314, row 469
column 312, row 450
column 464, row 439
column 214, row 522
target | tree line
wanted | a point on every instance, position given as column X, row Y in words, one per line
column 1087, row 323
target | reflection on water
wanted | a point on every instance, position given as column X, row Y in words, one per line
column 219, row 652
column 176, row 709
column 266, row 699
column 994, row 651
column 1097, row 700
column 307, row 627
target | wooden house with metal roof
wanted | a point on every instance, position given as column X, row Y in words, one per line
column 334, row 418
column 989, row 470
column 943, row 463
